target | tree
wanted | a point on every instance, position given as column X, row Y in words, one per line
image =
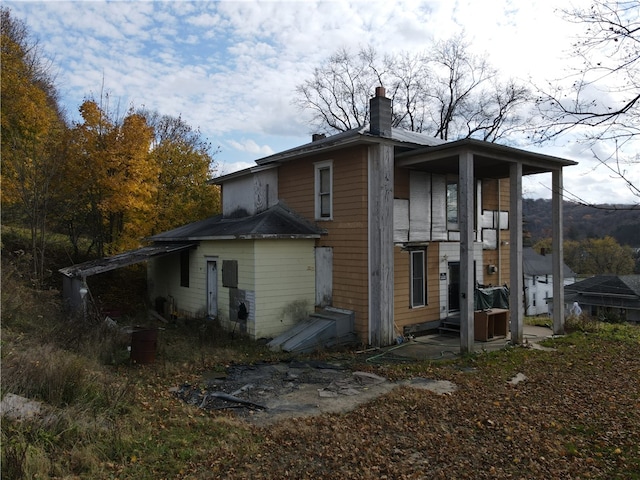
column 595, row 256
column 185, row 163
column 446, row 92
column 32, row 127
column 602, row 102
column 110, row 180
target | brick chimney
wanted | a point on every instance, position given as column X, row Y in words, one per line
column 380, row 112
column 318, row 136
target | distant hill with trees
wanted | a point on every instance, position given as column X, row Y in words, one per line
column 622, row 222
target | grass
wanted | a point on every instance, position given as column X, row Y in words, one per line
column 577, row 414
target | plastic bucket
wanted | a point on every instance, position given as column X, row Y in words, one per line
column 144, row 343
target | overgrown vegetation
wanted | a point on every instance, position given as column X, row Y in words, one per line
column 102, row 417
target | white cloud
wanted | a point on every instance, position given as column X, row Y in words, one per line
column 231, row 67
column 250, row 146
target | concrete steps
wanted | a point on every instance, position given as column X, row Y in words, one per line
column 327, row 328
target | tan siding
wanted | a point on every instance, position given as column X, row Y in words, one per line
column 347, row 231
column 404, row 315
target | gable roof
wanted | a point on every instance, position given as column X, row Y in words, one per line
column 275, row 222
column 535, row 264
column 621, row 291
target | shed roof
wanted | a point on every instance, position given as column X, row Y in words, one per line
column 124, row 259
column 276, row 222
column 535, row 264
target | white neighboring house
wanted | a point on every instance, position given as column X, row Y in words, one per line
column 538, row 282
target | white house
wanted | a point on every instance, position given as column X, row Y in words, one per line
column 538, row 281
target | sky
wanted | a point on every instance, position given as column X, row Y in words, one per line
column 230, row 68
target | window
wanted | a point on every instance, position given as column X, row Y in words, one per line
column 184, row 268
column 324, row 190
column 230, row 273
column 418, row 279
column 452, row 204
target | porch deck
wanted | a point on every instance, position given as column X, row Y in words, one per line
column 437, row 346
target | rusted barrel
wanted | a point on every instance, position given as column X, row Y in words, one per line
column 144, row 343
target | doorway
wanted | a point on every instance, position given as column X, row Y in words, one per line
column 212, row 288
column 454, row 287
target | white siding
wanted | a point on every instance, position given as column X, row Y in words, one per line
column 450, row 252
column 284, row 284
column 253, row 193
column 277, row 275
column 439, row 207
column 400, row 220
column 420, row 206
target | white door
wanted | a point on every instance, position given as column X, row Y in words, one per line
column 212, row 288
column 324, row 276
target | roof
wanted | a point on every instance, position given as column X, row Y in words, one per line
column 276, row 222
column 535, row 264
column 622, row 291
column 491, row 160
column 399, row 136
column 131, row 257
column 420, row 151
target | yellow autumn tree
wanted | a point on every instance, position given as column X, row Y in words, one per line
column 111, row 180
column 185, row 163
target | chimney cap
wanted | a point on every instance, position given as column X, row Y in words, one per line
column 380, row 92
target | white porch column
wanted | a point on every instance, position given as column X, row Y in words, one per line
column 515, row 253
column 557, row 252
column 467, row 237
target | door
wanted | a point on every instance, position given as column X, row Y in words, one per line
column 212, row 288
column 324, row 276
column 454, row 286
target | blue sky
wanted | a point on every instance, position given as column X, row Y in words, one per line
column 230, row 68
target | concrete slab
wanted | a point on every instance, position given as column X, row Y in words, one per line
column 443, row 347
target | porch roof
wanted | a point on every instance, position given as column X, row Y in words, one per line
column 491, row 160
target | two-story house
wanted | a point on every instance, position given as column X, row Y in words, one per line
column 392, row 227
column 538, row 281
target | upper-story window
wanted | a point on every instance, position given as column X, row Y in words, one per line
column 324, row 190
column 452, row 204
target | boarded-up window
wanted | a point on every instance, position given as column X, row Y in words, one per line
column 184, row 268
column 230, row 273
column 418, row 278
column 452, row 204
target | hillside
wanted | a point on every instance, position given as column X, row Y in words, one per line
column 621, row 222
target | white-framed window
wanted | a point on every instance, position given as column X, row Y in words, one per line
column 418, row 279
column 324, row 190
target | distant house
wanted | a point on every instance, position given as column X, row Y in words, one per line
column 538, row 281
column 392, row 229
column 609, row 297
